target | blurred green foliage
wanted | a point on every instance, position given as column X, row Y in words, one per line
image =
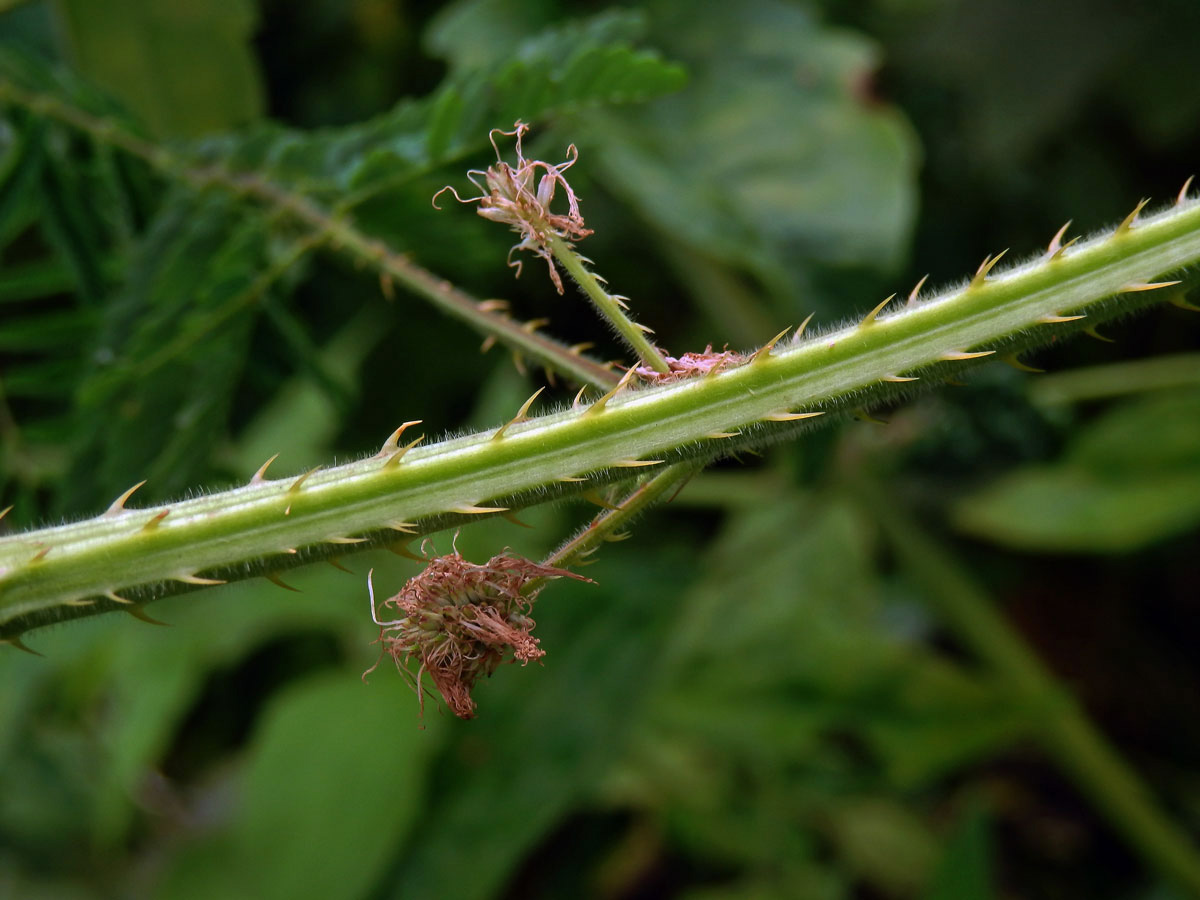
column 757, row 699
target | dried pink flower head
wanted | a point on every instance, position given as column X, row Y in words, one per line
column 508, row 195
column 691, row 365
column 460, row 621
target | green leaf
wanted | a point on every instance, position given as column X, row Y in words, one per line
column 965, row 871
column 170, row 352
column 184, row 68
column 773, row 158
column 331, row 785
column 1128, row 479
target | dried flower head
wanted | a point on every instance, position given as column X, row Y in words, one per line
column 460, row 621
column 508, row 195
column 692, row 365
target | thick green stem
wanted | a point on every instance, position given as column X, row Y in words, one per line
column 608, row 307
column 1081, row 751
column 83, row 568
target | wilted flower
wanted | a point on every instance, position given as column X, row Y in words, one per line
column 691, row 365
column 460, row 620
column 508, row 195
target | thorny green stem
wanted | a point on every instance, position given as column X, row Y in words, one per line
column 1082, row 753
column 99, row 565
column 607, row 306
column 605, row 527
column 335, row 230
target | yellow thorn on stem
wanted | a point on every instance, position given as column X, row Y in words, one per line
column 1055, row 249
column 576, row 349
column 402, row 550
column 1056, row 319
column 488, row 343
column 533, row 325
column 1092, row 332
column 294, row 487
column 83, row 602
column 594, row 497
column 863, row 416
column 394, row 459
column 636, row 463
column 869, row 319
column 1183, row 190
column 509, row 517
column 138, row 613
column 989, row 262
column 645, row 328
column 617, row 536
column 260, row 476
column 155, row 520
column 800, row 329
column 392, row 444
column 492, row 306
column 519, row 417
column 117, row 599
column 900, row 378
column 279, row 582
column 196, row 579
column 765, row 350
column 40, row 555
column 4, row 512
column 957, row 355
column 1136, row 286
column 599, row 405
column 1183, row 304
column 575, row 404
column 913, row 294
column 345, row 540
column 1131, row 219
column 786, row 416
column 570, row 479
column 21, row 645
column 118, row 505
column 519, row 363
column 716, row 435
column 468, row 509
column 403, row 527
column 337, row 564
column 1012, row 360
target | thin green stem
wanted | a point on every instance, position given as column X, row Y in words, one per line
column 1082, row 753
column 328, row 227
column 608, row 307
column 1181, row 370
column 607, row 525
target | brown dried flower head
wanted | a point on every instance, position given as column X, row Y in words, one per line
column 508, row 195
column 460, row 621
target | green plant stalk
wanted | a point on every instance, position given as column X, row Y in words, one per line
column 607, row 306
column 1181, row 370
column 327, row 228
column 1081, row 752
column 607, row 525
column 45, row 575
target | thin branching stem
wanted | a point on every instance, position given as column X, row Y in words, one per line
column 632, row 333
column 335, row 230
